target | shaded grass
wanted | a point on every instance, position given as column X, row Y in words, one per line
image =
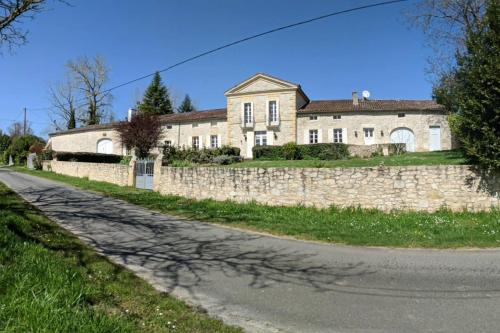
column 422, row 158
column 443, row 229
column 51, row 282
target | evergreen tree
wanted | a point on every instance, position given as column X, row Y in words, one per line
column 186, row 105
column 156, row 100
column 472, row 91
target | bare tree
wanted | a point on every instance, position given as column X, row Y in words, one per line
column 64, row 107
column 445, row 23
column 12, row 12
column 90, row 76
column 17, row 129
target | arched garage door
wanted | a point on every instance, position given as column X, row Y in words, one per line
column 404, row 135
column 105, row 146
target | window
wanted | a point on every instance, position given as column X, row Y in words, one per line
column 313, row 117
column 336, row 117
column 196, row 142
column 169, row 126
column 313, row 136
column 168, row 143
column 401, row 115
column 337, row 135
column 261, row 138
column 368, row 132
column 213, row 123
column 195, row 124
column 273, row 111
column 214, row 141
column 247, row 113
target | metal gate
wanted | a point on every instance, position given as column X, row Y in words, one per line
column 144, row 174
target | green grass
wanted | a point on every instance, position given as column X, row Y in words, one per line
column 52, row 282
column 424, row 158
column 443, row 229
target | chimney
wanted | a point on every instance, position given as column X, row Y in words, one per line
column 130, row 113
column 355, row 100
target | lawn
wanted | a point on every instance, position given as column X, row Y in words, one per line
column 52, row 282
column 443, row 229
column 423, row 158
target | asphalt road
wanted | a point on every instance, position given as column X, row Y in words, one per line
column 267, row 284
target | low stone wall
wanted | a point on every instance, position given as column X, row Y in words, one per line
column 112, row 173
column 421, row 188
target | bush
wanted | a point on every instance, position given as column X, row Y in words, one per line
column 322, row 151
column 47, row 155
column 226, row 159
column 19, row 149
column 291, row 151
column 198, row 156
column 87, row 157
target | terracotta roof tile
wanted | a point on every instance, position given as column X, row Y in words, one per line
column 346, row 105
column 196, row 115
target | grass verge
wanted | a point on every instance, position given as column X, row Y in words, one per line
column 443, row 229
column 52, row 282
column 421, row 158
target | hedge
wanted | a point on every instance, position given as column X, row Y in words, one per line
column 322, row 151
column 200, row 156
column 87, row 157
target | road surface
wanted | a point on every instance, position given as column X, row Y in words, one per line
column 268, row 284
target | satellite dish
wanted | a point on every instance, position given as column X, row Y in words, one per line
column 366, row 94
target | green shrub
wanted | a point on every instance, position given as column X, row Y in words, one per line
column 87, row 157
column 47, row 155
column 198, row 156
column 126, row 160
column 322, row 151
column 19, row 148
column 291, row 151
column 226, row 159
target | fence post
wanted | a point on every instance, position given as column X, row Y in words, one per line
column 131, row 172
column 157, row 172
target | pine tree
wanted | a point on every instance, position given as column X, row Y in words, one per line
column 472, row 91
column 156, row 100
column 186, row 105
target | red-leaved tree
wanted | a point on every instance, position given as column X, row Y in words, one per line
column 142, row 133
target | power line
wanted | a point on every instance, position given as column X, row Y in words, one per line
column 245, row 39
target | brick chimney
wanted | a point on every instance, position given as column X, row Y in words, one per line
column 355, row 100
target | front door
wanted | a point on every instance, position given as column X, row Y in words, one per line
column 434, row 138
column 369, row 139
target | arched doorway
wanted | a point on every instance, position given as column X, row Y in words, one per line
column 105, row 146
column 404, row 135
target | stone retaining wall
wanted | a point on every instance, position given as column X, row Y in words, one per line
column 112, row 173
column 422, row 188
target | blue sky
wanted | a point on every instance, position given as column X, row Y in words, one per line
column 372, row 49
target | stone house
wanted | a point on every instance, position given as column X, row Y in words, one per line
column 265, row 110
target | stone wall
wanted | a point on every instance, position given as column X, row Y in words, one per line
column 422, row 188
column 112, row 173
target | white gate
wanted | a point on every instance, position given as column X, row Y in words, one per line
column 404, row 135
column 144, row 174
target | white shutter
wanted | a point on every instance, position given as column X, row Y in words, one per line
column 251, row 112
column 242, row 114
column 278, row 110
column 306, row 136
column 190, row 142
column 344, row 135
column 270, row 138
column 320, row 136
column 268, row 121
column 219, row 141
column 200, row 141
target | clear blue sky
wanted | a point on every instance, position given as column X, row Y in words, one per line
column 372, row 49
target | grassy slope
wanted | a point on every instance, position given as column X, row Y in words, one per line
column 350, row 226
column 424, row 158
column 51, row 282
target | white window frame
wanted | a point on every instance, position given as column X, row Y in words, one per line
column 168, row 143
column 337, row 135
column 212, row 143
column 247, row 119
column 337, row 117
column 313, row 136
column 260, row 138
column 313, row 118
column 272, row 116
column 195, row 142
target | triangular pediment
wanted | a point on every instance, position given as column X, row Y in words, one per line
column 261, row 82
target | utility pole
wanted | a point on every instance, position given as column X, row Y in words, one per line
column 24, row 127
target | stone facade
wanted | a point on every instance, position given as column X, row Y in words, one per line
column 112, row 173
column 419, row 188
column 423, row 124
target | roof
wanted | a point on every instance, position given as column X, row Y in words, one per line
column 168, row 118
column 346, row 105
column 195, row 115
